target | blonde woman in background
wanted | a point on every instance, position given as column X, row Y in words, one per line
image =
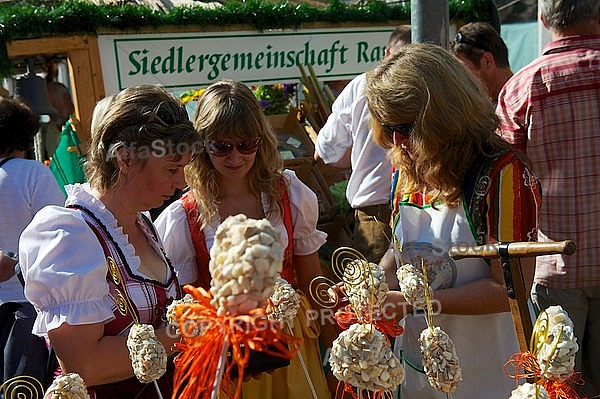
column 241, row 172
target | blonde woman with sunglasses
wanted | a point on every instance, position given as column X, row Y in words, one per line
column 458, row 184
column 241, row 172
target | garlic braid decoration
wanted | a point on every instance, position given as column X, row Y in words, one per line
column 148, row 356
column 366, row 288
column 438, row 353
column 412, row 285
column 551, row 359
column 195, row 329
column 440, row 360
column 529, row 391
column 245, row 259
column 284, row 303
column 67, row 386
column 362, row 357
column 556, row 353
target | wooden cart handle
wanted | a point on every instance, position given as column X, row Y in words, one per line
column 515, row 249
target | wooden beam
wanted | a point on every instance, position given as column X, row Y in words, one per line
column 87, row 84
column 46, row 46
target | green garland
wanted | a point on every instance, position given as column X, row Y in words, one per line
column 39, row 18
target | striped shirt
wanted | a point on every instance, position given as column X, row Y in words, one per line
column 551, row 110
column 501, row 198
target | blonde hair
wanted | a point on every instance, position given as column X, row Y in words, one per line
column 229, row 110
column 452, row 118
column 100, row 111
column 128, row 124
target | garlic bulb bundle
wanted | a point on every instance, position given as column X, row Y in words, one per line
column 529, row 391
column 148, row 356
column 366, row 287
column 362, row 357
column 440, row 360
column 172, row 320
column 285, row 302
column 412, row 285
column 556, row 356
column 67, row 386
column 172, row 307
column 245, row 258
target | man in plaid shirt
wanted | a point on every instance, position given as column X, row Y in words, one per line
column 551, row 110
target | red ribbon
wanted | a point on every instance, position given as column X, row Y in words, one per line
column 197, row 363
column 525, row 365
column 346, row 317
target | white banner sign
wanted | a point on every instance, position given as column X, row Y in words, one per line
column 195, row 60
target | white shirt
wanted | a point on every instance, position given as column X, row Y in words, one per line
column 172, row 226
column 26, row 186
column 348, row 126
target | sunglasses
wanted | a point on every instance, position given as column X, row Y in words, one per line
column 462, row 39
column 166, row 114
column 403, row 129
column 220, row 148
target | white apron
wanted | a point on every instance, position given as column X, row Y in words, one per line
column 484, row 343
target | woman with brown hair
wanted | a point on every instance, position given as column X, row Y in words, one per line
column 457, row 184
column 96, row 267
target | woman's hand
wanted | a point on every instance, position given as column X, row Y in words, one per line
column 7, row 266
column 395, row 306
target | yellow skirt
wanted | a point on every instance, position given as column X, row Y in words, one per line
column 291, row 382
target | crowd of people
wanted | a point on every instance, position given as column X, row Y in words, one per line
column 447, row 147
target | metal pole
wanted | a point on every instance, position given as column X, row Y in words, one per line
column 430, row 21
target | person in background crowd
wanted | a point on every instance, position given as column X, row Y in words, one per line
column 346, row 140
column 79, row 259
column 481, row 49
column 241, row 172
column 26, row 186
column 551, row 110
column 59, row 96
column 450, row 189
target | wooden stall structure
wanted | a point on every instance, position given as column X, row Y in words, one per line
column 84, row 69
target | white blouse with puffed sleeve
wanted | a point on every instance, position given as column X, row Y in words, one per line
column 173, row 228
column 65, row 267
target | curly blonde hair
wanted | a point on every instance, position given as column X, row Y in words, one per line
column 451, row 114
column 229, row 110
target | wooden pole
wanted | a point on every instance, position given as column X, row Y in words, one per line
column 510, row 254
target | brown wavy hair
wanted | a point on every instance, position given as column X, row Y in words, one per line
column 451, row 114
column 126, row 125
column 228, row 109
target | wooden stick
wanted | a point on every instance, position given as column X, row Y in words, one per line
column 510, row 254
column 515, row 249
column 304, row 368
column 220, row 370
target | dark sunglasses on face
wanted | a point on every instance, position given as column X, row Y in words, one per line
column 221, row 148
column 403, row 129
